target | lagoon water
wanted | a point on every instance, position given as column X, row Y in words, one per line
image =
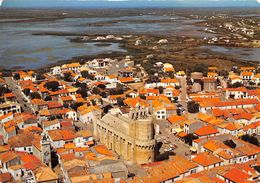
column 247, row 54
column 20, row 48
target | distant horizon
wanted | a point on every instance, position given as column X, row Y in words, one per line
column 128, row 4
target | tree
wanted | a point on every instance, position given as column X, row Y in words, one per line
column 250, row 139
column 77, row 84
column 67, row 76
column 200, row 68
column 189, row 81
column 48, row 98
column 83, row 91
column 218, row 82
column 189, row 138
column 117, row 91
column 85, row 74
column 160, row 89
column 103, row 94
column 120, row 102
column 102, row 86
column 175, row 99
column 52, row 85
column 179, row 112
column 76, row 105
column 96, row 90
column 94, row 102
column 7, row 73
column 27, row 91
column 223, row 73
column 177, row 87
column 142, row 96
column 251, row 83
column 170, row 74
column 230, row 143
column 4, row 90
column 193, row 107
column 39, row 76
column 237, row 85
column 80, row 85
column 257, row 168
column 107, row 108
column 154, row 79
column 35, row 95
column 16, row 76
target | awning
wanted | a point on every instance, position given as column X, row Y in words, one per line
column 178, row 130
column 193, row 149
column 240, row 134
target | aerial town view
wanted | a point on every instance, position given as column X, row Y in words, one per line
column 129, row 91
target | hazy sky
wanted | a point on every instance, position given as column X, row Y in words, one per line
column 127, row 3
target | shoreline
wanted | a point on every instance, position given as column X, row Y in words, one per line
column 181, row 50
column 136, row 52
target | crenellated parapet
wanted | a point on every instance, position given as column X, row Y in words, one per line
column 131, row 139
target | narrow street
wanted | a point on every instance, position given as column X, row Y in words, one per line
column 12, row 86
column 181, row 149
column 183, row 97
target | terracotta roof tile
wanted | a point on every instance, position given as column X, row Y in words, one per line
column 206, row 159
column 206, row 130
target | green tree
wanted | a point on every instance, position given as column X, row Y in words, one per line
column 16, row 76
column 200, row 68
column 120, row 102
column 96, row 90
column 67, row 76
column 35, row 95
column 4, row 90
column 52, row 85
column 103, row 94
column 193, row 107
column 237, row 85
column 27, row 91
column 85, row 74
column 48, row 98
column 107, row 108
column 102, row 86
column 160, row 89
column 257, row 168
column 39, row 76
column 76, row 105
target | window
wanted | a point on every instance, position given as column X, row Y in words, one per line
column 193, row 171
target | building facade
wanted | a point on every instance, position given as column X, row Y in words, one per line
column 132, row 137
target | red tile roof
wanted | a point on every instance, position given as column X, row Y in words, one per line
column 236, row 175
column 54, row 104
column 206, row 159
column 206, row 130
